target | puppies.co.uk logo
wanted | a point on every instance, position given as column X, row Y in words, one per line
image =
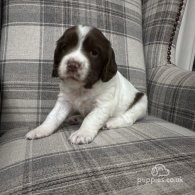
column 160, row 170
column 159, row 174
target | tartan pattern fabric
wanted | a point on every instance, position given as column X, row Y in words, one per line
column 172, row 95
column 171, row 91
column 117, row 162
column 158, row 20
column 29, row 34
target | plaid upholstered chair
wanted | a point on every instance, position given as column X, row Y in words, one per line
column 154, row 156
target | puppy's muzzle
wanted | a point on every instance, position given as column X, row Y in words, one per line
column 73, row 66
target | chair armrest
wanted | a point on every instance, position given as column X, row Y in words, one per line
column 171, row 94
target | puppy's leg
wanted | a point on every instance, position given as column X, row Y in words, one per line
column 138, row 111
column 58, row 114
column 90, row 126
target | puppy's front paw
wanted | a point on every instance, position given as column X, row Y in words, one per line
column 82, row 137
column 39, row 132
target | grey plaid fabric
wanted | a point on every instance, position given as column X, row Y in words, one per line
column 119, row 161
column 158, row 20
column 30, row 30
column 172, row 95
column 171, row 91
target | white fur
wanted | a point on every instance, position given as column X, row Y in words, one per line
column 105, row 105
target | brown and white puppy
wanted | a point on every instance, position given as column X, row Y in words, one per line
column 90, row 84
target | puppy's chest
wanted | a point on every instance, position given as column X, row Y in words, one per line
column 83, row 102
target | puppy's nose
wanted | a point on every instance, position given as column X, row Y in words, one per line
column 73, row 66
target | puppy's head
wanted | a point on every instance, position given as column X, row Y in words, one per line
column 85, row 55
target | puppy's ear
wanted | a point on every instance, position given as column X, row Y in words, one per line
column 55, row 72
column 110, row 68
column 56, row 63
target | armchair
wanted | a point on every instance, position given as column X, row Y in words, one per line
column 119, row 161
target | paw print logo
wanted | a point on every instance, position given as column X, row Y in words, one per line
column 160, row 170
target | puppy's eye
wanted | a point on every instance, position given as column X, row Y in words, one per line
column 94, row 52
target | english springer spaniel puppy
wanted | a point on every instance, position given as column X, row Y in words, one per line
column 90, row 84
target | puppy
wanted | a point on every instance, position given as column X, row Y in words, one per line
column 90, row 84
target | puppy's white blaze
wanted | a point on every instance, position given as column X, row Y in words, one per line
column 83, row 31
column 77, row 55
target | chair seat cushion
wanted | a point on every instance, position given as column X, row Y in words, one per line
column 153, row 155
